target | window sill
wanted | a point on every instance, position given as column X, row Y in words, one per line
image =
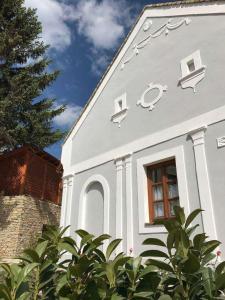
column 193, row 78
column 119, row 116
column 152, row 228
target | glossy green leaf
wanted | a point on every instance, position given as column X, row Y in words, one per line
column 41, row 247
column 199, row 240
column 165, row 297
column 154, row 241
column 192, row 264
column 208, row 281
column 81, row 232
column 192, row 216
column 111, row 247
column 101, row 238
column 154, row 253
column 179, row 213
column 143, row 295
column 220, row 281
column 161, row 265
column 67, row 247
column 220, row 268
column 210, row 246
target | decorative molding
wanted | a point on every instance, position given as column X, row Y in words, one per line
column 196, row 9
column 120, row 109
column 119, row 203
column 67, row 202
column 152, row 86
column 221, row 142
column 209, row 118
column 178, row 154
column 166, row 28
column 129, row 203
column 198, row 135
column 190, row 78
column 147, row 25
column 198, row 138
column 119, row 117
column 187, row 9
column 83, row 203
column 64, row 202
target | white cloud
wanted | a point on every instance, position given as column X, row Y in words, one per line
column 69, row 116
column 54, row 16
column 99, row 63
column 102, row 23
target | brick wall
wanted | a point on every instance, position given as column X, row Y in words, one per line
column 21, row 222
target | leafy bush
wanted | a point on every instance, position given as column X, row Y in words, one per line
column 183, row 267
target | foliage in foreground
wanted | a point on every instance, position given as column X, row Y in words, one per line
column 184, row 267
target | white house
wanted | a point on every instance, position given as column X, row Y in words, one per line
column 152, row 134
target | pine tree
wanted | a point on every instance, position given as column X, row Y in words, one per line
column 25, row 115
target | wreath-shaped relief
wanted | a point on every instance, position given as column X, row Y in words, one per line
column 151, row 105
column 170, row 25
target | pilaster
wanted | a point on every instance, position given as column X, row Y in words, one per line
column 198, row 139
column 119, row 202
column 129, row 203
column 66, row 213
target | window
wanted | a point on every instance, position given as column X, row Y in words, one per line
column 193, row 71
column 162, row 190
column 191, row 65
column 144, row 165
column 120, row 109
column 120, row 104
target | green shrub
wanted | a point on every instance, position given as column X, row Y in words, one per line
column 183, row 267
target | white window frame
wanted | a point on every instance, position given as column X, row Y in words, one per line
column 196, row 58
column 120, row 111
column 123, row 100
column 143, row 204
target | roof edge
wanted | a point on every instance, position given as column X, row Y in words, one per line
column 180, row 3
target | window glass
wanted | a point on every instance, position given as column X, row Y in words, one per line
column 171, row 172
column 159, row 210
column 172, row 190
column 163, row 190
column 158, row 192
column 191, row 65
column 173, row 203
column 156, row 175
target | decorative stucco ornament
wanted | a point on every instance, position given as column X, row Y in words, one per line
column 120, row 109
column 147, row 25
column 166, row 28
column 119, row 117
column 193, row 71
column 221, row 142
column 151, row 105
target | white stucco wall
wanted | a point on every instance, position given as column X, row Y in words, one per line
column 100, row 147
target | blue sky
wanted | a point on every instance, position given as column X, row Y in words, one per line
column 83, row 36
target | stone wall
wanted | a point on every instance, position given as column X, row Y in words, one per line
column 21, row 222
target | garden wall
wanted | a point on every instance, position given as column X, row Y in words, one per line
column 21, row 222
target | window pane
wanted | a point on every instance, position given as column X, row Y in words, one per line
column 172, row 204
column 156, row 175
column 171, row 172
column 157, row 193
column 159, row 210
column 172, row 190
column 191, row 65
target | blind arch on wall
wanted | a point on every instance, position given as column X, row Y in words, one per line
column 99, row 184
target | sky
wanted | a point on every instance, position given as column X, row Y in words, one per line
column 83, row 35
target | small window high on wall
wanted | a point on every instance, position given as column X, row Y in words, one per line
column 163, row 193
